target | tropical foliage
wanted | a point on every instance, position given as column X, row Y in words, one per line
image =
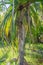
column 21, row 32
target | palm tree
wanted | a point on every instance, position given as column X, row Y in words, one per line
column 18, row 9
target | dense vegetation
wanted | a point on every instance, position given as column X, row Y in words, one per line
column 21, row 32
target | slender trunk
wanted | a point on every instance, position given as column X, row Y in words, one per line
column 12, row 24
column 21, row 39
column 21, row 45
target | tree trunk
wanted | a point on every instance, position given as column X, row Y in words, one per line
column 21, row 38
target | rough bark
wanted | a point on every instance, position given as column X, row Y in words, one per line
column 21, row 38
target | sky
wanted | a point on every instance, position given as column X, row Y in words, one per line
column 7, row 5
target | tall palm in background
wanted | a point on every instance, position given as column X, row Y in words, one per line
column 14, row 26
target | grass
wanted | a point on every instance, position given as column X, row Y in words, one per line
column 32, row 57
